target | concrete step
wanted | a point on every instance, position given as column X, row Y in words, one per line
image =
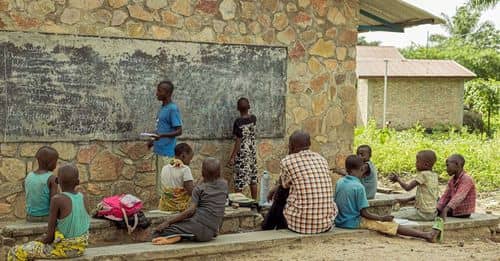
column 246, row 242
column 104, row 232
column 243, row 242
column 476, row 220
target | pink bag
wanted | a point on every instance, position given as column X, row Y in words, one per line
column 117, row 206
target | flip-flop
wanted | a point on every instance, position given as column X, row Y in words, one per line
column 439, row 226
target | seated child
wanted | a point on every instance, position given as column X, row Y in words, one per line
column 459, row 198
column 176, row 180
column 369, row 179
column 202, row 220
column 352, row 204
column 69, row 221
column 427, row 185
column 40, row 185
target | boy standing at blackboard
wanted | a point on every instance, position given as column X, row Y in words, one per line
column 168, row 127
column 244, row 156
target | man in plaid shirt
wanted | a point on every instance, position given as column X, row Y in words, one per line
column 459, row 198
column 310, row 207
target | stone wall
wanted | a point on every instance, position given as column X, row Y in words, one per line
column 320, row 36
column 432, row 102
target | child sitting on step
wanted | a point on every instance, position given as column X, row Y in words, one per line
column 176, row 180
column 369, row 179
column 459, row 198
column 202, row 220
column 427, row 186
column 68, row 227
column 40, row 185
column 352, row 204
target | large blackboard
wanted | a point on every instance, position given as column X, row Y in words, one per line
column 64, row 87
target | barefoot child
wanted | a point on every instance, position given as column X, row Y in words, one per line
column 244, row 156
column 67, row 234
column 41, row 186
column 202, row 220
column 427, row 194
column 369, row 179
column 352, row 204
column 176, row 180
column 459, row 198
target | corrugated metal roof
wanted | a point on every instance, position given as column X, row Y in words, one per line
column 378, row 52
column 370, row 64
column 396, row 12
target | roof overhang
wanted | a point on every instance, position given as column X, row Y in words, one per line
column 392, row 16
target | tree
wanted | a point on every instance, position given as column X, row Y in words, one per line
column 362, row 41
column 474, row 45
column 482, row 95
column 483, row 4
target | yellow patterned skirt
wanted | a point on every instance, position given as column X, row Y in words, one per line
column 60, row 248
column 174, row 199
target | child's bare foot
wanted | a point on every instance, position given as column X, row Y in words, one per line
column 433, row 236
column 166, row 241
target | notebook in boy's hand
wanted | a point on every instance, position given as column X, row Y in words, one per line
column 151, row 135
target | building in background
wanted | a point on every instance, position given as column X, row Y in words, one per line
column 428, row 92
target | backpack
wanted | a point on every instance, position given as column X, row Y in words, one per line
column 119, row 208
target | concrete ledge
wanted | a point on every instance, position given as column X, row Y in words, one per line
column 243, row 242
column 383, row 204
column 101, row 230
column 382, row 200
column 475, row 221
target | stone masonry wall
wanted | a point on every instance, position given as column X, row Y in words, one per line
column 431, row 102
column 320, row 36
column 362, row 103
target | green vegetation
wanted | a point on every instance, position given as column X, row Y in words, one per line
column 395, row 151
column 474, row 45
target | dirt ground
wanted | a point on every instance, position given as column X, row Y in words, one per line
column 374, row 246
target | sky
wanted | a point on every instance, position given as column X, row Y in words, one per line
column 418, row 34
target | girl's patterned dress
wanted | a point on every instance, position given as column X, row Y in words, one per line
column 245, row 167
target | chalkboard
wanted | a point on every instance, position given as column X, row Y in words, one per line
column 71, row 88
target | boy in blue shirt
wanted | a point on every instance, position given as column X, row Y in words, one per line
column 369, row 179
column 350, row 197
column 168, row 127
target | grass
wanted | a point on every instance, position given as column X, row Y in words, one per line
column 394, row 151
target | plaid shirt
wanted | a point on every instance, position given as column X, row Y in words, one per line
column 310, row 208
column 459, row 196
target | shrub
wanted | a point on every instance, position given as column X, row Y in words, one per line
column 395, row 151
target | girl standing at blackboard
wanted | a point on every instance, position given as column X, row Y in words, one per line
column 244, row 156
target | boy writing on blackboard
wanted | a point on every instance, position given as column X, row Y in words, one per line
column 243, row 157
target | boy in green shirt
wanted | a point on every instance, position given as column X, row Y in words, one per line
column 68, row 226
column 427, row 194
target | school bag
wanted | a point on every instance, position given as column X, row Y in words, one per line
column 142, row 222
column 119, row 208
